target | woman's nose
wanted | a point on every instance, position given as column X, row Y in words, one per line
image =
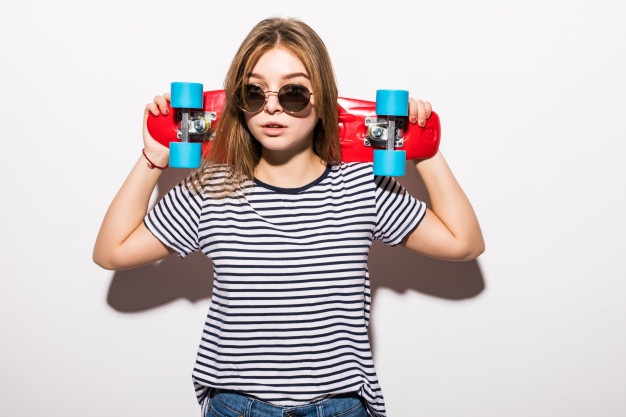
column 272, row 104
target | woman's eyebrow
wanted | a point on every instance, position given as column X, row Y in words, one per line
column 284, row 77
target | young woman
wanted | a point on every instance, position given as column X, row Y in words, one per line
column 288, row 228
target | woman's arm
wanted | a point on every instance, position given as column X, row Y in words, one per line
column 123, row 240
column 450, row 230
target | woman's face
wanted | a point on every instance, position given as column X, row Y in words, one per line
column 277, row 130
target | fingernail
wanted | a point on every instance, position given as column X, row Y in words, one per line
column 413, row 119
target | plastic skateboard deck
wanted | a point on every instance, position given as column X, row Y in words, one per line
column 362, row 131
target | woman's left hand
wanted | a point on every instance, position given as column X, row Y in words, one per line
column 419, row 111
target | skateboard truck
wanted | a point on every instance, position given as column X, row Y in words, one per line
column 377, row 132
column 388, row 131
column 199, row 126
column 185, row 97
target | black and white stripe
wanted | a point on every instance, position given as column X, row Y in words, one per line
column 291, row 296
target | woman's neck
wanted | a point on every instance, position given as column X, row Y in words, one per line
column 293, row 172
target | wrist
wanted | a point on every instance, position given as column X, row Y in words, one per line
column 420, row 163
column 158, row 160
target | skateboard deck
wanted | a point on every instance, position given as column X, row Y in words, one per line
column 361, row 130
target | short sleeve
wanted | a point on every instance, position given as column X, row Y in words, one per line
column 398, row 212
column 174, row 219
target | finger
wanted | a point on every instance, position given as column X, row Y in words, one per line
column 152, row 108
column 413, row 111
column 162, row 104
column 429, row 108
column 421, row 113
column 418, row 111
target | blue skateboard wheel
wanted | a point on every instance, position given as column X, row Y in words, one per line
column 186, row 95
column 389, row 163
column 392, row 102
column 185, row 154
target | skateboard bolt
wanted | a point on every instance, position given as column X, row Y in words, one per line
column 200, row 126
column 376, row 132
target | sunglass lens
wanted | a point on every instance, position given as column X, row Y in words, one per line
column 293, row 97
column 253, row 98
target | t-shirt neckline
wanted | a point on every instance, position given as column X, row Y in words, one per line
column 282, row 190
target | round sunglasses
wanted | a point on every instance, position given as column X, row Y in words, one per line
column 293, row 98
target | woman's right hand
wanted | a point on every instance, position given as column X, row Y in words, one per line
column 158, row 153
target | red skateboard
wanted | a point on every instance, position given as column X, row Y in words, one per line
column 367, row 133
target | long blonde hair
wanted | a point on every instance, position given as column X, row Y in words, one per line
column 234, row 150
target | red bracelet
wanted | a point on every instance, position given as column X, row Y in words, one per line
column 150, row 163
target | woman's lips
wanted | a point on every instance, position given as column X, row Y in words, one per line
column 273, row 128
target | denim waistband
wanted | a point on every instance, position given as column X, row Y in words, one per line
column 233, row 404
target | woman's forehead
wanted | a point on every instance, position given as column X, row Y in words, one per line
column 281, row 62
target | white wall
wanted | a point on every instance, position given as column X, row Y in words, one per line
column 532, row 97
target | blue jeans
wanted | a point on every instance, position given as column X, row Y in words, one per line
column 230, row 404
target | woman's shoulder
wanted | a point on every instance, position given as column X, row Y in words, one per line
column 352, row 172
column 363, row 173
column 345, row 167
column 216, row 182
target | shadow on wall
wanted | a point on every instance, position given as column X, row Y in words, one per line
column 401, row 270
column 396, row 268
column 151, row 286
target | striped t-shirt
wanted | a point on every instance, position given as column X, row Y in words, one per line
column 291, row 295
